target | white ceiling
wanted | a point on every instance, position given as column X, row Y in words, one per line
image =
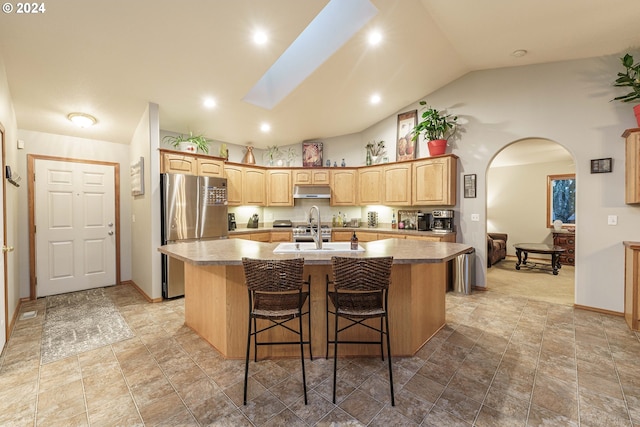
column 110, row 58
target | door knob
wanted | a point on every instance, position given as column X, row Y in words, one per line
column 110, row 233
column 7, row 249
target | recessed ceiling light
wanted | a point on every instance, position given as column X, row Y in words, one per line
column 82, row 120
column 260, row 37
column 375, row 37
column 209, row 102
column 519, row 53
column 375, row 99
column 265, row 127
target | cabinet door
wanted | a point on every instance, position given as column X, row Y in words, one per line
column 342, row 236
column 435, row 182
column 178, row 163
column 264, row 236
column 367, row 236
column 397, row 185
column 301, row 176
column 281, row 236
column 369, row 183
column 234, row 184
column 253, row 186
column 320, row 177
column 632, row 167
column 343, row 187
column 390, row 236
column 279, row 188
column 210, row 167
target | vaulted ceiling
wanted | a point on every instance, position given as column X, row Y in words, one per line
column 110, row 58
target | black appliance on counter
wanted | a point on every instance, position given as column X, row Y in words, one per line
column 231, row 218
column 424, row 221
column 442, row 221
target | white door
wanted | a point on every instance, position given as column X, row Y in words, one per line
column 75, row 232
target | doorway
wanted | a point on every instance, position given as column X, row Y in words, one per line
column 517, row 180
column 4, row 329
column 74, row 223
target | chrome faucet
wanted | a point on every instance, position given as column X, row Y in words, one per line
column 316, row 235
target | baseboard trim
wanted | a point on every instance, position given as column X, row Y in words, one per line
column 598, row 310
column 143, row 293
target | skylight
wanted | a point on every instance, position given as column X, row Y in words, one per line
column 329, row 30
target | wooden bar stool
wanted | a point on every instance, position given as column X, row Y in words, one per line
column 276, row 294
column 359, row 291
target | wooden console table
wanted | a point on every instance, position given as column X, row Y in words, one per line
column 539, row 248
column 566, row 239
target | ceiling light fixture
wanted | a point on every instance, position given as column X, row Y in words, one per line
column 209, row 103
column 265, row 127
column 375, row 99
column 260, row 37
column 82, row 120
column 374, row 38
column 519, row 53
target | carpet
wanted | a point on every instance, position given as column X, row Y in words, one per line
column 80, row 321
column 534, row 284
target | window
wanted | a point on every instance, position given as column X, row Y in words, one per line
column 561, row 199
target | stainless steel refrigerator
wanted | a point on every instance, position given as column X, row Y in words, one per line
column 193, row 208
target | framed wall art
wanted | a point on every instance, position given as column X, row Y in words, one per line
column 137, row 178
column 601, row 165
column 311, row 154
column 470, row 186
column 405, row 146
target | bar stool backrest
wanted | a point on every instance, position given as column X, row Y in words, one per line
column 361, row 274
column 273, row 275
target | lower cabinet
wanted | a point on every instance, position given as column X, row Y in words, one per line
column 281, row 236
column 632, row 284
column 369, row 236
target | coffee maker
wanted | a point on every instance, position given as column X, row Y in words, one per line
column 442, row 221
column 232, row 221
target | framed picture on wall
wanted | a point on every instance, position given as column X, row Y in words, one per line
column 311, row 154
column 405, row 146
column 470, row 186
column 601, row 165
column 137, row 178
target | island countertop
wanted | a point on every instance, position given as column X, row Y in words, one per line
column 231, row 251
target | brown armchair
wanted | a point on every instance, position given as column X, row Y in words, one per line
column 496, row 247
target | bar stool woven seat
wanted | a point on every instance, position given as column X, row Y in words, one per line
column 277, row 294
column 359, row 291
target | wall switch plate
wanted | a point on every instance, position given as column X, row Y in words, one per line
column 475, row 217
column 612, row 220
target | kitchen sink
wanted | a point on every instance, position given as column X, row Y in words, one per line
column 310, row 248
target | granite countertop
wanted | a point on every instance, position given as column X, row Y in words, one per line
column 231, row 251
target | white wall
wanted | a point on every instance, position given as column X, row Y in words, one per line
column 517, row 201
column 76, row 148
column 145, row 235
column 8, row 120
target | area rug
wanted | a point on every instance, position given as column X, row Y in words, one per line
column 78, row 322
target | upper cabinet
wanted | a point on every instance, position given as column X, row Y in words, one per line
column 279, row 187
column 632, row 166
column 369, row 185
column 396, row 190
column 245, row 185
column 343, row 183
column 310, row 176
column 435, row 181
column 191, row 164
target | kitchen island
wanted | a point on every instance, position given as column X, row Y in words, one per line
column 216, row 300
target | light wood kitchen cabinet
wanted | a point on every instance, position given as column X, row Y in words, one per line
column 448, row 237
column 264, row 236
column 369, row 185
column 245, row 185
column 391, row 236
column 435, row 181
column 397, row 184
column 210, row 167
column 632, row 284
column 311, row 176
column 279, row 187
column 281, row 236
column 343, row 183
column 366, row 236
column 179, row 163
column 632, row 166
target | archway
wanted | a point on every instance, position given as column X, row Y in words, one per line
column 517, row 206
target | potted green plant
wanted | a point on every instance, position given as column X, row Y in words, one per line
column 437, row 127
column 630, row 78
column 189, row 143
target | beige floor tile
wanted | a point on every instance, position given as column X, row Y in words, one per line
column 361, row 406
column 162, row 410
column 60, row 403
column 59, row 373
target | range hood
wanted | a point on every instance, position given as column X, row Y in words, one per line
column 311, row 192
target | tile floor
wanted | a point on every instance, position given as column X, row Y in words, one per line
column 500, row 361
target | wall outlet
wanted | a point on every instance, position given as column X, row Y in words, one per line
column 475, row 217
column 612, row 220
